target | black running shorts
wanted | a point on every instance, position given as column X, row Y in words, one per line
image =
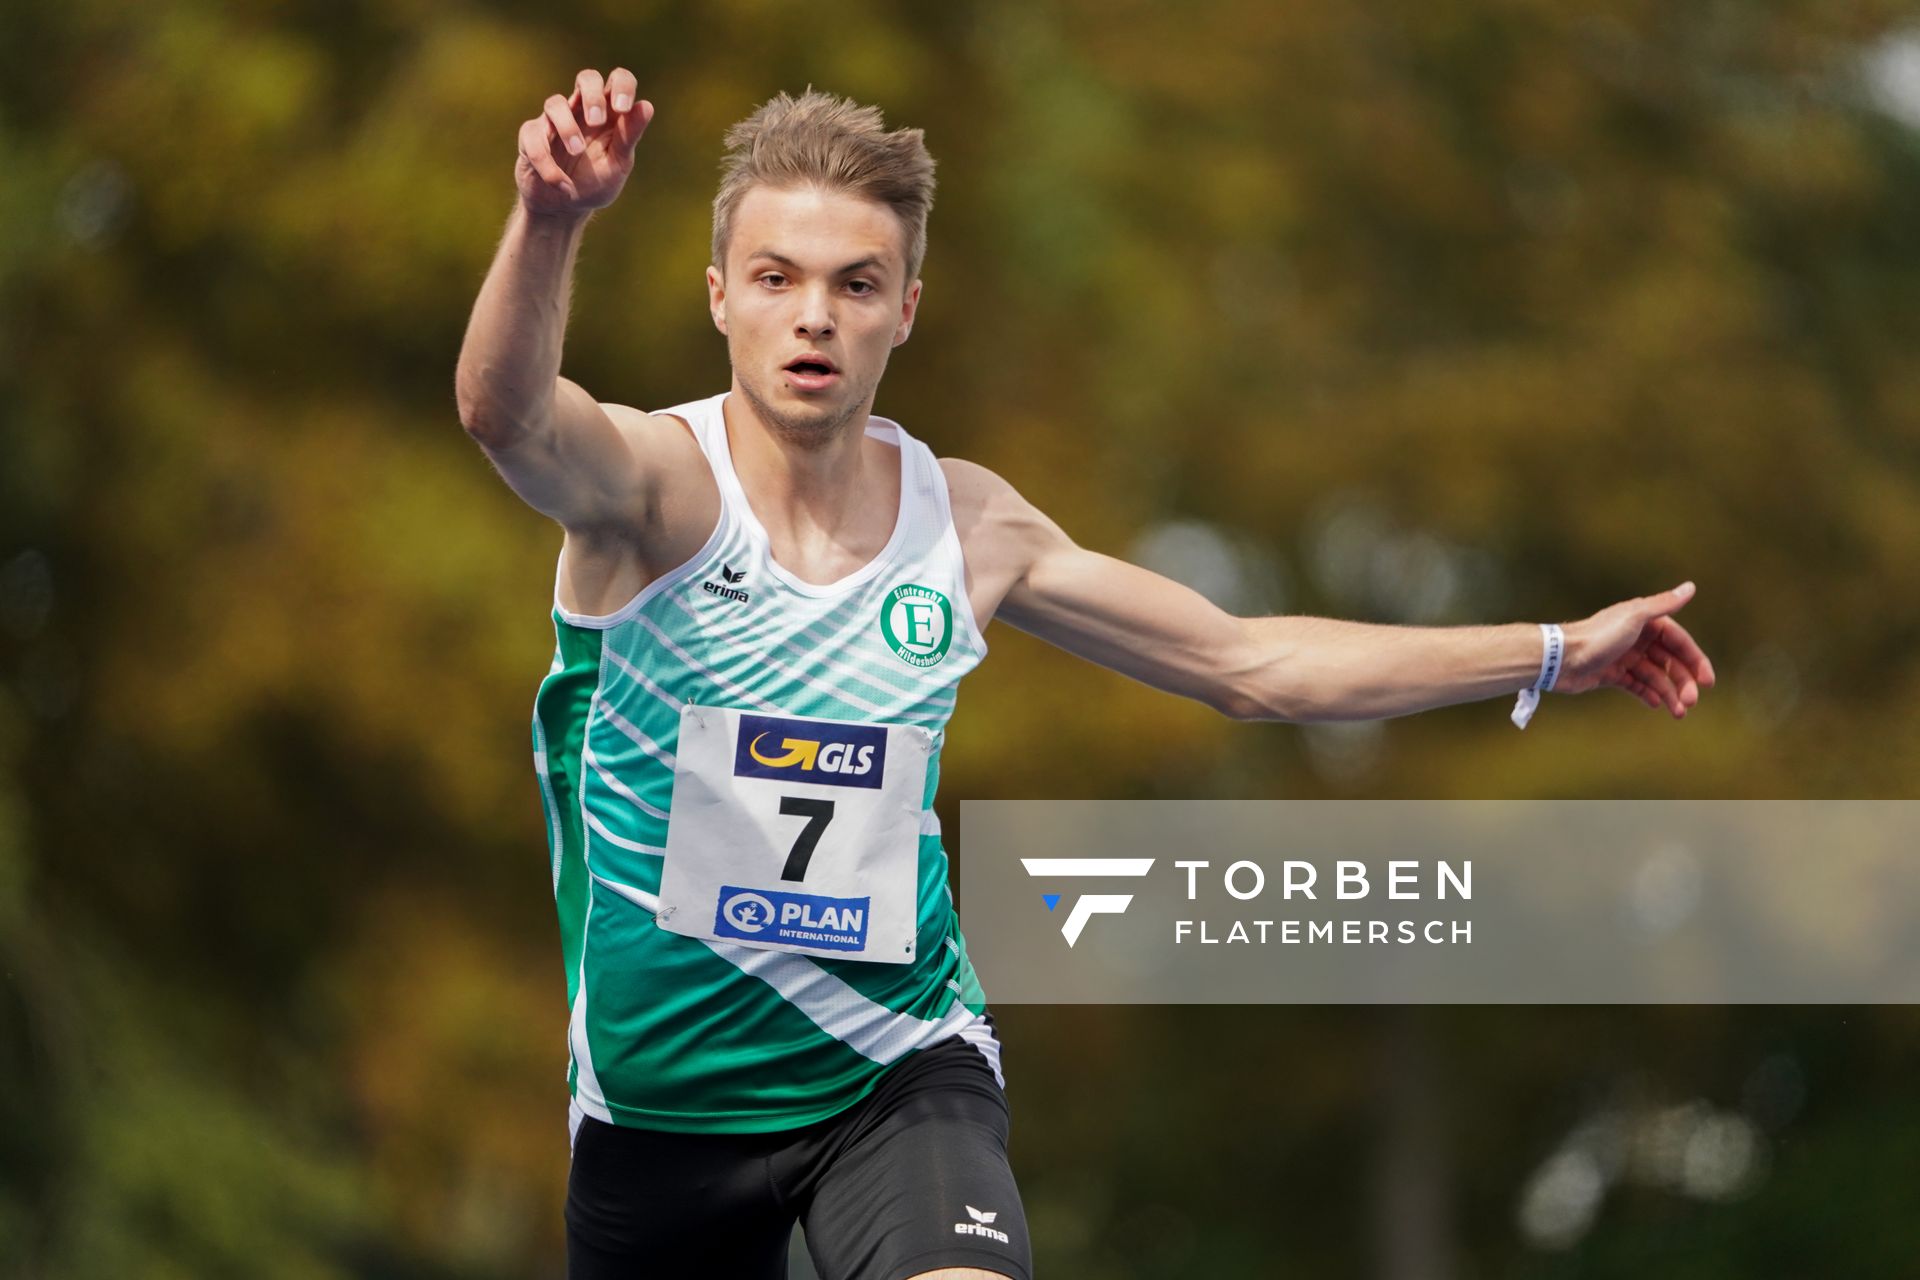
column 912, row 1178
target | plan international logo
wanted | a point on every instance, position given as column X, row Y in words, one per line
column 1087, row 905
column 780, row 915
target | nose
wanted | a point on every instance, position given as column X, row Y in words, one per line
column 816, row 313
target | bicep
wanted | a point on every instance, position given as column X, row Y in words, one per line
column 583, row 468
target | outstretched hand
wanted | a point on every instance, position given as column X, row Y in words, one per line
column 575, row 156
column 1637, row 646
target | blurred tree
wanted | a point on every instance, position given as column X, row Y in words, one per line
column 1435, row 312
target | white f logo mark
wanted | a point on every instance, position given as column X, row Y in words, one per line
column 1092, row 904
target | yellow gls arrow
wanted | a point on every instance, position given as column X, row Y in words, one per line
column 799, row 751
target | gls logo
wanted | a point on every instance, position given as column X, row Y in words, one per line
column 839, row 755
column 1087, row 905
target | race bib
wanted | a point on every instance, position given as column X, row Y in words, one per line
column 795, row 834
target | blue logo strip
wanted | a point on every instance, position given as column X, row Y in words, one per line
column 801, row 919
column 834, row 755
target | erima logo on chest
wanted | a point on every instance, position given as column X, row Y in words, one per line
column 729, row 575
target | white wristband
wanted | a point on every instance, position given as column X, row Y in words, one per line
column 1553, row 648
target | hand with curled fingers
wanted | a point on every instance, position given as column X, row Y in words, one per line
column 1637, row 646
column 576, row 154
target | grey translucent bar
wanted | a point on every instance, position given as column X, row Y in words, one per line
column 1442, row 902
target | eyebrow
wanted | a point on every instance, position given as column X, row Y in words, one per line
column 864, row 264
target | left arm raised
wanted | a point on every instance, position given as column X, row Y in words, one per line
column 1305, row 669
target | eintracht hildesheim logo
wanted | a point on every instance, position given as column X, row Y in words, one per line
column 1087, row 905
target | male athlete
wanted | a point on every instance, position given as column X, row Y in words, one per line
column 764, row 602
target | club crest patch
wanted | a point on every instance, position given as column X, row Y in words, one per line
column 917, row 623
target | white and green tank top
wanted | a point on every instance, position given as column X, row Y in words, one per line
column 708, row 1035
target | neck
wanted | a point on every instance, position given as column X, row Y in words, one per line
column 801, row 477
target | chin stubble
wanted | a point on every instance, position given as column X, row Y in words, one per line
column 806, row 433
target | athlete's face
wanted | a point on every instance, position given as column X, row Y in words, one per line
column 812, row 273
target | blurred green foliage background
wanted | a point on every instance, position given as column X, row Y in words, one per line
column 1429, row 312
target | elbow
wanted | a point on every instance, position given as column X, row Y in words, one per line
column 477, row 414
column 1231, row 697
column 491, row 437
column 1249, row 687
column 489, row 408
column 1248, row 703
column 1274, row 674
column 1235, row 706
column 1267, row 709
column 486, row 421
column 485, row 429
column 1297, row 704
column 1288, row 689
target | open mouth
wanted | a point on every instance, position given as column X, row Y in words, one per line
column 810, row 374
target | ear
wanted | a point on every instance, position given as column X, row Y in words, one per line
column 717, row 298
column 909, row 306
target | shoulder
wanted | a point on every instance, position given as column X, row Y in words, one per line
column 670, row 457
column 679, row 500
column 1001, row 532
column 666, row 432
column 978, row 494
column 987, row 499
column 968, row 483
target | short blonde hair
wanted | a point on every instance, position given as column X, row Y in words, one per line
column 836, row 144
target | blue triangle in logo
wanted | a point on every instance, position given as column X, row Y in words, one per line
column 1051, row 899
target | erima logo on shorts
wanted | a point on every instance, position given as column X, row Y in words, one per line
column 804, row 919
column 982, row 1225
column 1087, row 905
column 839, row 755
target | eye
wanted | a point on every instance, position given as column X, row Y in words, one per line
column 772, row 279
column 861, row 288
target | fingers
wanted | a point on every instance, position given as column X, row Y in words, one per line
column 1627, row 684
column 1675, row 637
column 623, row 90
column 1669, row 601
column 1670, row 669
column 536, row 144
column 577, row 120
column 630, row 125
column 1639, row 649
column 560, row 120
column 1653, row 674
column 631, row 114
column 590, row 95
column 1682, row 676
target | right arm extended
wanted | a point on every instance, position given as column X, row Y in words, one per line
column 551, row 440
